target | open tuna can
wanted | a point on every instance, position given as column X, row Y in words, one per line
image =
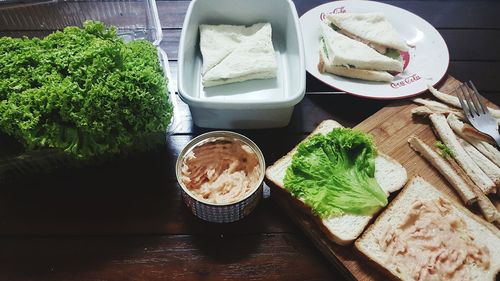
column 221, row 175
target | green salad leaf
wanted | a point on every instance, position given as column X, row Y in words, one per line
column 392, row 53
column 334, row 27
column 82, row 90
column 444, row 150
column 325, row 49
column 335, row 174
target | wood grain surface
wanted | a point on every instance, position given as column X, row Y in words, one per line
column 124, row 219
column 391, row 128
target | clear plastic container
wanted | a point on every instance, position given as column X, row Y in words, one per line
column 134, row 19
column 253, row 104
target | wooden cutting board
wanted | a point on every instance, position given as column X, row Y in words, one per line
column 391, row 127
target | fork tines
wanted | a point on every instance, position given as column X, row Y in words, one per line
column 470, row 99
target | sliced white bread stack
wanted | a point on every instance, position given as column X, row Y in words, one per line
column 344, row 229
column 233, row 53
column 397, row 211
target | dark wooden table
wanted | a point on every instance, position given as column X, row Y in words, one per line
column 125, row 220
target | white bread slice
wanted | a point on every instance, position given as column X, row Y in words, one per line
column 484, row 147
column 343, row 230
column 218, row 41
column 471, row 169
column 369, row 26
column 364, row 74
column 396, row 212
column 344, row 51
column 252, row 58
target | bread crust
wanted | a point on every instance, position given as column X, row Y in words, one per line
column 356, row 73
column 321, row 63
column 483, row 146
column 430, row 106
column 300, row 205
column 370, row 75
column 474, row 133
column 460, row 185
column 445, row 132
column 453, row 101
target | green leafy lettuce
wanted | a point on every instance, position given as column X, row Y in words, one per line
column 83, row 90
column 335, row 174
column 392, row 53
column 325, row 49
column 334, row 27
column 444, row 150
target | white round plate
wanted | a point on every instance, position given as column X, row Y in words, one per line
column 426, row 62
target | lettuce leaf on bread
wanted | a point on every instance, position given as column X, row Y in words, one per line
column 335, row 174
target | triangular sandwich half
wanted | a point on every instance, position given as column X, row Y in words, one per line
column 372, row 29
column 344, row 56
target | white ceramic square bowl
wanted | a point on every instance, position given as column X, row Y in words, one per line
column 253, row 104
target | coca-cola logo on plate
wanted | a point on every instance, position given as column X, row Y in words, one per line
column 339, row 10
column 407, row 81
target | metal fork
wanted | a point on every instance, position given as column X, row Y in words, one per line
column 476, row 111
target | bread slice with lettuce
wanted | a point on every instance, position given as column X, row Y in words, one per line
column 233, row 53
column 342, row 185
column 372, row 29
column 347, row 57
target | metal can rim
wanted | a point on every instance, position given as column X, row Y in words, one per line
column 226, row 134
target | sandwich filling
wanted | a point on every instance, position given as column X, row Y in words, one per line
column 221, row 171
column 432, row 244
column 334, row 174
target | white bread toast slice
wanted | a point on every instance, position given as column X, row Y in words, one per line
column 397, row 211
column 343, row 229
